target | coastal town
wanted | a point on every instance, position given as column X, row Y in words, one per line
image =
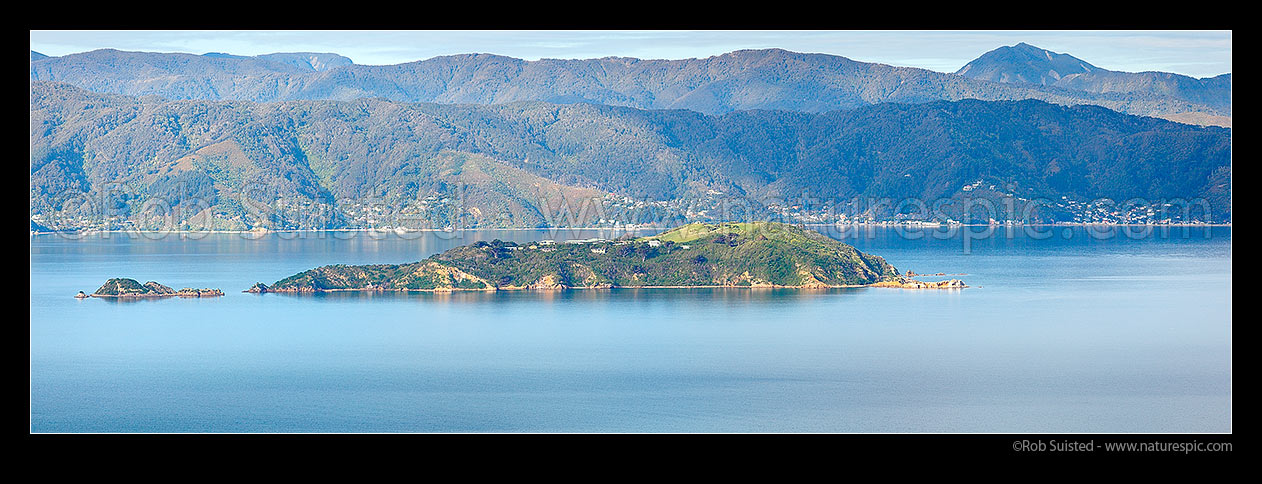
column 445, row 213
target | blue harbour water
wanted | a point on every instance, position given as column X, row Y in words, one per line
column 1079, row 331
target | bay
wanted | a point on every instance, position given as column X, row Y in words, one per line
column 1063, row 330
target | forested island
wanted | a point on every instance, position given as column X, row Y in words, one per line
column 757, row 254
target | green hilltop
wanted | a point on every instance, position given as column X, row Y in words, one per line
column 758, row 254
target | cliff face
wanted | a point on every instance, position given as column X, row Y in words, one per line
column 759, row 254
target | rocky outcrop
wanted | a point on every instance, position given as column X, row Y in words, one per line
column 458, row 279
column 294, row 290
column 158, row 289
column 192, row 292
column 914, row 284
column 549, row 282
column 122, row 287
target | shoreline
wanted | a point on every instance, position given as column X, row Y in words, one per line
column 139, row 296
column 637, row 228
column 886, row 284
column 305, row 231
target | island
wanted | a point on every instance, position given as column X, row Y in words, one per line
column 754, row 254
column 121, row 287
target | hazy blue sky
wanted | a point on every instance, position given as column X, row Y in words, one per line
column 1194, row 53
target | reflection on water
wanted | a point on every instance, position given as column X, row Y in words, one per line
column 707, row 294
column 132, row 300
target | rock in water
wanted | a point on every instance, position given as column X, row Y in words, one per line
column 155, row 288
column 124, row 287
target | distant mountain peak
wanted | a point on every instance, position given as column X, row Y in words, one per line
column 767, row 50
column 316, row 61
column 760, row 53
column 479, row 57
column 223, row 55
column 1025, row 63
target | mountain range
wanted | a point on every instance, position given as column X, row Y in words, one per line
column 242, row 164
column 741, row 80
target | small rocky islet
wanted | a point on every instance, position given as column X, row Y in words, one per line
column 121, row 287
column 753, row 254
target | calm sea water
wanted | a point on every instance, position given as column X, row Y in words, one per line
column 1076, row 332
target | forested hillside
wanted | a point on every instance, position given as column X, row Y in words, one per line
column 294, row 164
